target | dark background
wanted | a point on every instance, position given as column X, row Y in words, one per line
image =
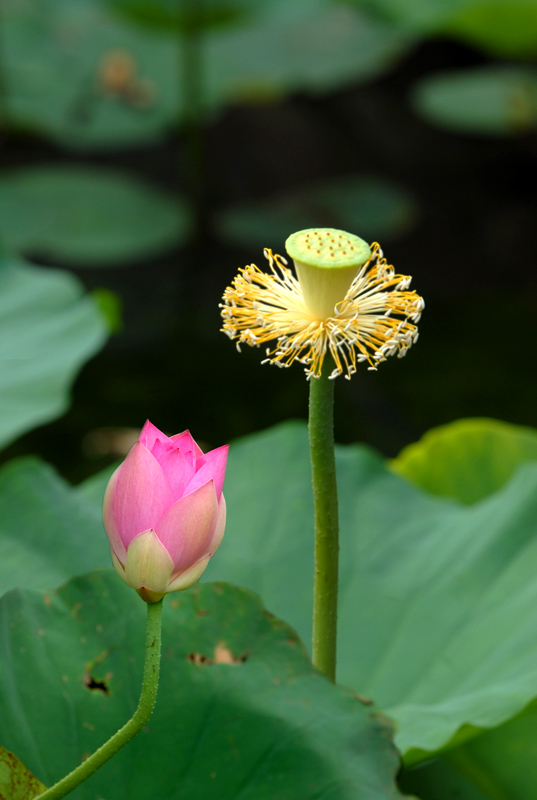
column 471, row 253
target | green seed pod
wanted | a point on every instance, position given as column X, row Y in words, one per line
column 326, row 262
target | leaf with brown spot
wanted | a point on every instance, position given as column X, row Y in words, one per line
column 238, row 699
column 16, row 781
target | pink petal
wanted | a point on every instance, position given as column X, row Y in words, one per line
column 186, row 444
column 188, row 527
column 179, row 468
column 116, row 545
column 150, row 435
column 211, row 466
column 220, row 527
column 141, row 494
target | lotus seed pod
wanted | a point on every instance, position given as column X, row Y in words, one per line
column 326, row 262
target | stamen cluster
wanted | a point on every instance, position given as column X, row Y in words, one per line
column 377, row 317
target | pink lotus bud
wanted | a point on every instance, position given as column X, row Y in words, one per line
column 164, row 512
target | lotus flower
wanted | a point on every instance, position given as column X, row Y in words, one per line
column 164, row 512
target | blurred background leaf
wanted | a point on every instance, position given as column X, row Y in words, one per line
column 48, row 329
column 467, row 460
column 75, row 74
column 505, row 28
column 375, row 207
column 93, row 216
column 88, row 77
column 491, row 100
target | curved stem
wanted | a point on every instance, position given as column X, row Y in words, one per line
column 323, row 470
column 134, row 725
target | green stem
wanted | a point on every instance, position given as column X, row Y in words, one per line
column 134, row 725
column 323, row 469
column 192, row 99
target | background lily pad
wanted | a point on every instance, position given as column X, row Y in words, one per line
column 86, row 76
column 468, row 460
column 495, row 100
column 375, row 207
column 505, row 28
column 241, row 712
column 188, row 16
column 81, row 77
column 94, row 216
column 48, row 329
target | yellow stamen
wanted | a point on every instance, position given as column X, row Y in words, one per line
column 376, row 318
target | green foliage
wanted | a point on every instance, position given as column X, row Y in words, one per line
column 48, row 531
column 96, row 216
column 467, row 460
column 425, row 596
column 470, row 460
column 187, row 15
column 506, row 28
column 373, row 207
column 16, row 782
column 494, row 100
column 62, row 59
column 86, row 77
column 437, row 597
column 109, row 304
column 499, row 764
column 48, row 329
column 433, row 626
column 241, row 712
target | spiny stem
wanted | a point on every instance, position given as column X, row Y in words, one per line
column 137, row 722
column 323, row 469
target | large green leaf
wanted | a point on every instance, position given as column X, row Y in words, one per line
column 48, row 329
column 375, row 207
column 499, row 764
column 493, row 100
column 85, row 77
column 241, row 712
column 467, row 460
column 48, row 531
column 437, row 599
column 96, row 216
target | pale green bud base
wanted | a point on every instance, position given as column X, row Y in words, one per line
column 137, row 722
column 326, row 262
